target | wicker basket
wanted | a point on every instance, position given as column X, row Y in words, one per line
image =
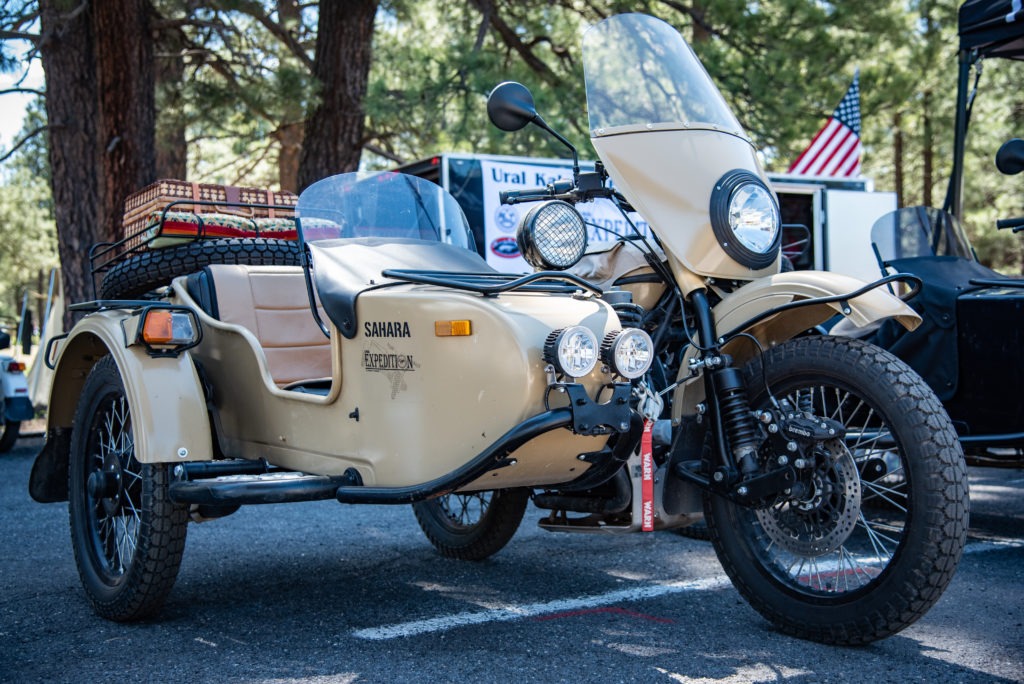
column 140, row 206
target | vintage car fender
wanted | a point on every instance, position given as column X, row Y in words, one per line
column 165, row 395
column 736, row 309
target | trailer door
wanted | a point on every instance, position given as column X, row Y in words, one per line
column 849, row 216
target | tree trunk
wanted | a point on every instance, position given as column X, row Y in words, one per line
column 897, row 156
column 127, row 125
column 291, row 131
column 99, row 102
column 334, row 130
column 927, row 152
column 72, row 108
column 169, row 69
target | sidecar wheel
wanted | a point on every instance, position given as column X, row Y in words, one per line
column 128, row 536
column 876, row 541
column 153, row 268
column 472, row 526
column 10, row 436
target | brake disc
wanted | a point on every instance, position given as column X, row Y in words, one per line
column 820, row 521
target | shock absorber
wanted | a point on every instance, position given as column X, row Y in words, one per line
column 737, row 421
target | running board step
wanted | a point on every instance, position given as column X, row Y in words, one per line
column 280, row 487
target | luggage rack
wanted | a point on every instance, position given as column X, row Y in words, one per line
column 105, row 255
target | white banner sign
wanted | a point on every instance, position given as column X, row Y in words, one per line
column 501, row 221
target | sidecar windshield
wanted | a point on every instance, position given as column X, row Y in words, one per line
column 640, row 71
column 919, row 232
column 381, row 205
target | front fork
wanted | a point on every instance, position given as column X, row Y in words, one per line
column 735, row 466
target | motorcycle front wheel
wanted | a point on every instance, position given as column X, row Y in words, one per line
column 472, row 526
column 872, row 543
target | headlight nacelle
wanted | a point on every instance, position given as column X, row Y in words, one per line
column 746, row 220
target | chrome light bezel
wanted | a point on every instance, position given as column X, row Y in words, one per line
column 552, row 236
column 573, row 351
column 724, row 213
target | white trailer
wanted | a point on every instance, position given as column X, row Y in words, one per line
column 827, row 221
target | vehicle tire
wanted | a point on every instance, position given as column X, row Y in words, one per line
column 153, row 268
column 472, row 526
column 10, row 435
column 876, row 540
column 128, row 536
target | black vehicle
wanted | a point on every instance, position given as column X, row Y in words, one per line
column 969, row 347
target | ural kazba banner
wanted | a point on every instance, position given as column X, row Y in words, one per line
column 501, row 221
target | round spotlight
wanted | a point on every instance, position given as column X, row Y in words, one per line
column 552, row 236
column 572, row 351
column 746, row 220
column 629, row 352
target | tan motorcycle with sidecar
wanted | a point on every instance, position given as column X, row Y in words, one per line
column 379, row 360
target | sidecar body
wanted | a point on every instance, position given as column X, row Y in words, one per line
column 257, row 396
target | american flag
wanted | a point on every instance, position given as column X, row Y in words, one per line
column 835, row 149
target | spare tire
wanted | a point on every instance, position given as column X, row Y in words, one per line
column 148, row 270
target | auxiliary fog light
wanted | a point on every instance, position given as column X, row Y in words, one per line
column 629, row 352
column 572, row 351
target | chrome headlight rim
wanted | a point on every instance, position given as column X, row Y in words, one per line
column 573, row 351
column 539, row 248
column 722, row 196
column 622, row 349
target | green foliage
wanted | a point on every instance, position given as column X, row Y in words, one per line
column 28, row 239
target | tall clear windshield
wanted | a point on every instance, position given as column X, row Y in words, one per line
column 919, row 232
column 381, row 205
column 639, row 70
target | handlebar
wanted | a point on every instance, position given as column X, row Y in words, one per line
column 1016, row 224
column 560, row 189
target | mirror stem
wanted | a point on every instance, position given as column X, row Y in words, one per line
column 543, row 125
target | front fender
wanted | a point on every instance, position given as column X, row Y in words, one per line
column 165, row 396
column 736, row 309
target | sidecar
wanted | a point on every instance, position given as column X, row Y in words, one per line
column 968, row 348
column 342, row 378
column 969, row 343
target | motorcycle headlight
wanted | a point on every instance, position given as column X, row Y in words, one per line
column 552, row 236
column 629, row 352
column 745, row 218
column 572, row 351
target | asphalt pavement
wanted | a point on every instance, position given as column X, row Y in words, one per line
column 324, row 592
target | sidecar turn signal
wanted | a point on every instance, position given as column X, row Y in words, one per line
column 453, row 328
column 167, row 331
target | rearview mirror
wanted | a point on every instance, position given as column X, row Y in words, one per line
column 510, row 106
column 1010, row 157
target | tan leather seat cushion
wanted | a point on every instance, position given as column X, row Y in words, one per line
column 272, row 303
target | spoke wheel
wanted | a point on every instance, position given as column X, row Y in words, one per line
column 870, row 539
column 474, row 525
column 127, row 535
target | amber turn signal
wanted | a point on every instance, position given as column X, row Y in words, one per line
column 453, row 328
column 163, row 327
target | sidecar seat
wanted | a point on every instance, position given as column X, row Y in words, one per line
column 271, row 302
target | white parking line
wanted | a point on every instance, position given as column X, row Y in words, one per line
column 508, row 613
column 513, row 612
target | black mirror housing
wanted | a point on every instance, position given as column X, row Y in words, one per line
column 1010, row 157
column 510, row 106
